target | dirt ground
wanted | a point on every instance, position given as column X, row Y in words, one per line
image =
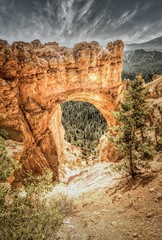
column 108, row 204
column 111, row 206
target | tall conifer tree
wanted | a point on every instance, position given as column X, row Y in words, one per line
column 132, row 139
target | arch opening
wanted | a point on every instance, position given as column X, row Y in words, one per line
column 73, row 153
column 84, row 126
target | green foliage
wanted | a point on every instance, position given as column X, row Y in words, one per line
column 84, row 125
column 29, row 214
column 38, row 185
column 118, row 167
column 146, row 62
column 131, row 138
column 3, row 193
column 6, row 166
column 3, row 134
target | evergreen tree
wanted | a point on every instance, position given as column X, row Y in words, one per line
column 132, row 139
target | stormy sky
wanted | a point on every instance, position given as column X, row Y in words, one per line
column 71, row 21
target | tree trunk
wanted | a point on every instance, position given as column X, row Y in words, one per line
column 142, row 136
column 132, row 171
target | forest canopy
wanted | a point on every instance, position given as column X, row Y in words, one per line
column 84, row 125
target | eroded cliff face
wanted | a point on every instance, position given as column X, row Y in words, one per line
column 36, row 78
column 155, row 105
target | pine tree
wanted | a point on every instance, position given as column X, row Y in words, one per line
column 132, row 139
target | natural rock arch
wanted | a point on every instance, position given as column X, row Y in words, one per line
column 36, row 78
column 105, row 107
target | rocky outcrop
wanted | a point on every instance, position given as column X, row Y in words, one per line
column 155, row 87
column 155, row 105
column 36, row 78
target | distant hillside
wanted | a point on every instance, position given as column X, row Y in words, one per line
column 155, row 44
column 146, row 62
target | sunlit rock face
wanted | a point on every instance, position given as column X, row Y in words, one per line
column 35, row 79
column 155, row 105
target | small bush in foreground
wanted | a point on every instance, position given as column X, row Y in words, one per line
column 29, row 214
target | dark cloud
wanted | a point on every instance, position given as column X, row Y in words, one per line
column 70, row 21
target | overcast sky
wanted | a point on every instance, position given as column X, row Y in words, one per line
column 71, row 21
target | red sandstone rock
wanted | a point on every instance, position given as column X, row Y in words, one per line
column 36, row 78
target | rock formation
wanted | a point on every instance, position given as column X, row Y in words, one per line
column 155, row 105
column 35, row 79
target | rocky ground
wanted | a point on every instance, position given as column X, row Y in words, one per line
column 108, row 205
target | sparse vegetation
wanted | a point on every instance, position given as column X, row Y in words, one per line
column 27, row 213
column 6, row 165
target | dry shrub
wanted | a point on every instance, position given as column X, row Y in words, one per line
column 29, row 215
